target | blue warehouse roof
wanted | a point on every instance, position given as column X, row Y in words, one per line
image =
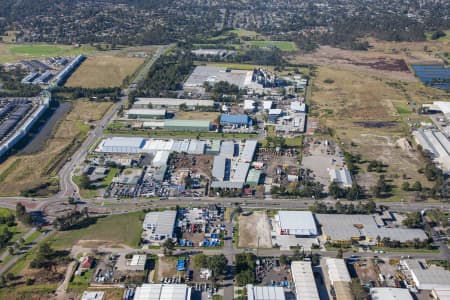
column 235, row 119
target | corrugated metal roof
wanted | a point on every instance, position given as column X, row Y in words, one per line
column 387, row 293
column 303, row 277
column 249, row 150
column 187, row 123
column 161, row 158
column 227, row 185
column 253, row 176
column 163, row 222
column 240, row 174
column 342, row 177
column 144, row 102
column 265, row 292
column 227, row 148
column 337, row 270
column 219, row 165
column 235, row 119
column 147, row 111
column 163, row 292
column 297, row 222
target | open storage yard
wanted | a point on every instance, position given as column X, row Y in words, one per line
column 20, row 173
column 254, row 230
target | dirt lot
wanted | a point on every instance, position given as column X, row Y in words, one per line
column 253, row 227
column 286, row 161
column 197, row 115
column 202, row 165
column 20, row 172
column 104, row 70
column 167, row 267
column 366, row 271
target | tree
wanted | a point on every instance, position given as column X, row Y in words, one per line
column 357, row 290
column 71, row 200
column 405, row 186
column 417, row 186
column 413, row 220
column 217, row 264
column 85, row 182
column 284, row 259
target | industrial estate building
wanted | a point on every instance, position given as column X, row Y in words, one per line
column 437, row 144
column 235, row 120
column 96, row 295
column 146, row 113
column 265, row 292
column 427, row 277
column 163, row 292
column 187, row 125
column 123, row 145
column 296, row 223
column 344, row 229
column 159, row 225
column 212, row 75
column 341, row 177
column 387, row 293
column 339, row 277
column 303, row 277
column 249, row 150
column 171, row 103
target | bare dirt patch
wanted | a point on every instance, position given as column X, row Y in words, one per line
column 253, row 228
column 197, row 115
column 167, row 267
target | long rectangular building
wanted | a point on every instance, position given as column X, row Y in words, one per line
column 437, row 144
column 339, row 278
column 160, row 223
column 172, row 103
column 296, row 223
column 249, row 150
column 265, row 292
column 304, row 281
column 150, row 291
column 240, row 174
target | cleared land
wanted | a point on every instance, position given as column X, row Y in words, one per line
column 253, row 228
column 22, row 172
column 194, row 115
column 369, row 115
column 285, row 46
column 104, row 70
column 16, row 52
column 115, row 230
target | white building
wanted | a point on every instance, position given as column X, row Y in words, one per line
column 159, row 225
column 161, row 158
column 138, row 261
column 342, row 177
column 387, row 293
column 97, row 295
column 267, row 105
column 296, row 223
column 163, row 292
column 122, row 145
column 240, row 174
column 249, row 105
column 265, row 292
column 339, row 278
column 298, row 106
column 427, row 277
column 303, row 277
column 437, row 144
column 249, row 151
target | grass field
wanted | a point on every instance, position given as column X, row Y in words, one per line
column 285, row 46
column 91, row 193
column 104, row 70
column 235, row 66
column 442, row 39
column 16, row 52
column 28, row 292
column 369, row 115
column 35, row 169
column 118, row 229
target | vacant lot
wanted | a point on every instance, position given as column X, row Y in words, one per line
column 194, row 115
column 16, row 52
column 116, row 229
column 22, row 172
column 253, row 228
column 104, row 70
column 369, row 114
column 282, row 45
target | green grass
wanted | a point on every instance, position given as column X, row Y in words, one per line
column 285, row 46
column 294, row 142
column 48, row 50
column 121, row 229
column 181, row 134
column 4, row 212
column 235, row 66
column 409, row 250
column 33, row 236
column 85, row 193
column 442, row 39
column 27, row 292
column 402, row 108
column 81, row 283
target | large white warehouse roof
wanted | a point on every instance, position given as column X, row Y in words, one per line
column 297, row 222
column 337, row 270
column 265, row 292
column 427, row 277
column 303, row 277
column 387, row 293
column 163, row 292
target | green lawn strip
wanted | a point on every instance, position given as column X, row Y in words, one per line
column 81, row 283
column 27, row 292
column 180, row 134
column 285, row 46
column 49, row 50
column 85, row 193
column 32, row 237
column 124, row 229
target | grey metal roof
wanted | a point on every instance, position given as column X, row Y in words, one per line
column 227, row 185
column 163, row 222
column 227, row 148
column 265, row 292
column 249, row 150
column 297, row 222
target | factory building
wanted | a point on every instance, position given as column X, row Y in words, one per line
column 213, row 148
column 265, row 292
column 68, row 70
column 274, row 114
column 150, row 291
column 221, row 168
column 228, row 149
column 228, row 185
column 440, row 106
column 437, row 144
column 388, row 293
column 171, row 103
column 235, row 120
column 296, row 223
column 146, row 113
column 212, row 75
column 339, row 277
column 341, row 177
column 122, row 145
column 298, row 106
column 427, row 277
column 249, row 150
column 267, row 105
column 253, row 177
column 96, row 295
column 249, row 105
column 161, row 158
column 240, row 173
column 159, row 225
column 303, row 277
column 187, row 125
column 343, row 229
